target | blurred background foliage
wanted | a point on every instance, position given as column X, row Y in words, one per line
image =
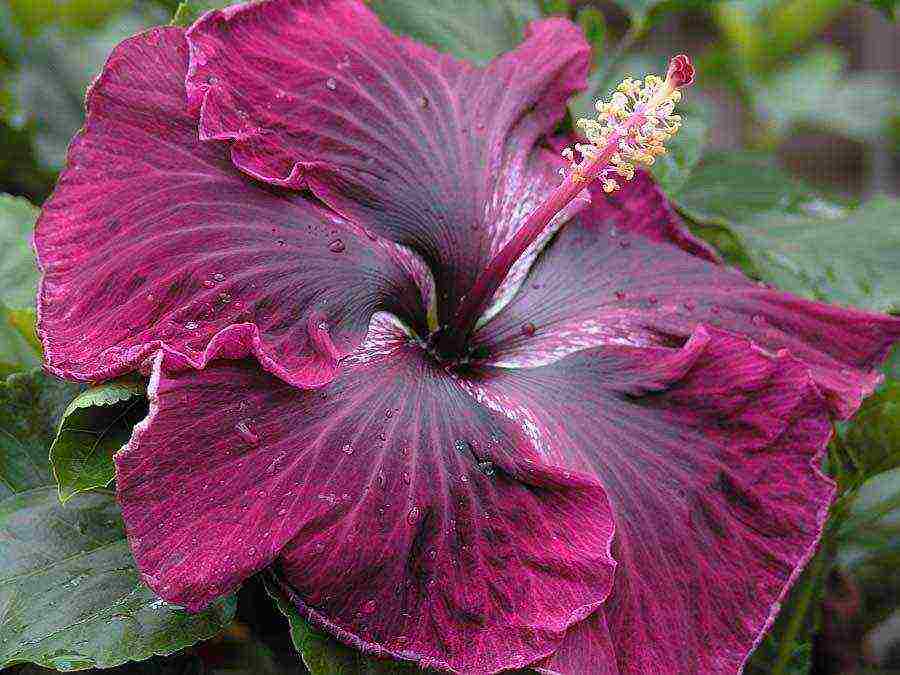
column 789, row 163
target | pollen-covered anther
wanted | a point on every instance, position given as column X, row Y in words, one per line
column 632, row 127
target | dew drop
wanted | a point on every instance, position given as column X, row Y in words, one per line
column 348, row 449
column 424, row 102
column 331, row 83
column 320, row 547
column 413, row 516
column 191, row 325
column 486, row 467
column 624, row 243
column 245, row 432
column 758, row 320
column 218, row 276
column 336, row 246
column 388, row 413
column 462, row 446
column 406, row 478
column 208, row 283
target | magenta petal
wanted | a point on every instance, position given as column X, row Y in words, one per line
column 417, row 146
column 609, row 278
column 710, row 456
column 588, row 648
column 154, row 238
column 409, row 520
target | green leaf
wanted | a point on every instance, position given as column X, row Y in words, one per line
column 476, row 30
column 787, row 236
column 31, row 405
column 645, row 12
column 889, row 7
column 557, row 7
column 191, row 10
column 48, row 89
column 673, row 169
column 19, row 347
column 593, row 24
column 816, row 91
column 70, row 595
column 872, row 438
column 95, row 426
column 322, row 654
column 18, row 274
column 33, row 15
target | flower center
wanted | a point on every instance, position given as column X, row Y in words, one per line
column 629, row 129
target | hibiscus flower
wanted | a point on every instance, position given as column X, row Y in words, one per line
column 467, row 414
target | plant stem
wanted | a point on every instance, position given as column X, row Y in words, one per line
column 785, row 648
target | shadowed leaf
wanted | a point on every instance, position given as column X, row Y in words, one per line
column 793, row 239
column 18, row 274
column 95, row 425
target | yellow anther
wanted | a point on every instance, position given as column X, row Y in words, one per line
column 632, row 127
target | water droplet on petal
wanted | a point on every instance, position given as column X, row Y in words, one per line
column 486, row 467
column 423, row 102
column 218, row 276
column 413, row 516
column 245, row 432
column 758, row 320
column 191, row 325
column 331, row 83
column 348, row 449
column 690, row 305
column 336, row 246
column 406, row 478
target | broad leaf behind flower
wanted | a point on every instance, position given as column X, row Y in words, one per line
column 70, row 596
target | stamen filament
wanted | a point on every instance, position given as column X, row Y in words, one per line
column 631, row 128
